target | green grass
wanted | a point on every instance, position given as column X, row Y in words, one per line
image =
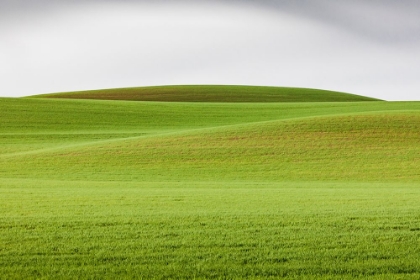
column 214, row 93
column 61, row 229
column 161, row 190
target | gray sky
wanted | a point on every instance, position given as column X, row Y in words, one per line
column 367, row 47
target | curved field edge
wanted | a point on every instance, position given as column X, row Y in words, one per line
column 367, row 147
column 213, row 93
column 37, row 124
column 33, row 125
column 96, row 116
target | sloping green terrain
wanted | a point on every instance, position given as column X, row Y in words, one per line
column 159, row 190
column 214, row 93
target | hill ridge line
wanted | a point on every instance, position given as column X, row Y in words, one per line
column 187, row 132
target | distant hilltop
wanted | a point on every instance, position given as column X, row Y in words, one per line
column 213, row 93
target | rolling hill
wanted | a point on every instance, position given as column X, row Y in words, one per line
column 214, row 93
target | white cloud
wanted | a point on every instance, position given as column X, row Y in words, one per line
column 109, row 44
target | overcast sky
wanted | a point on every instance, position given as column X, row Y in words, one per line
column 367, row 47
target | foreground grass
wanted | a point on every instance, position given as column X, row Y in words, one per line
column 209, row 230
column 115, row 189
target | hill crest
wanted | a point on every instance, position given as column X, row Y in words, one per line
column 213, row 93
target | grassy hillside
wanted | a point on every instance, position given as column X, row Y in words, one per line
column 160, row 190
column 369, row 147
column 208, row 93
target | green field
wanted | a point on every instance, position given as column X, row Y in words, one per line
column 275, row 188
